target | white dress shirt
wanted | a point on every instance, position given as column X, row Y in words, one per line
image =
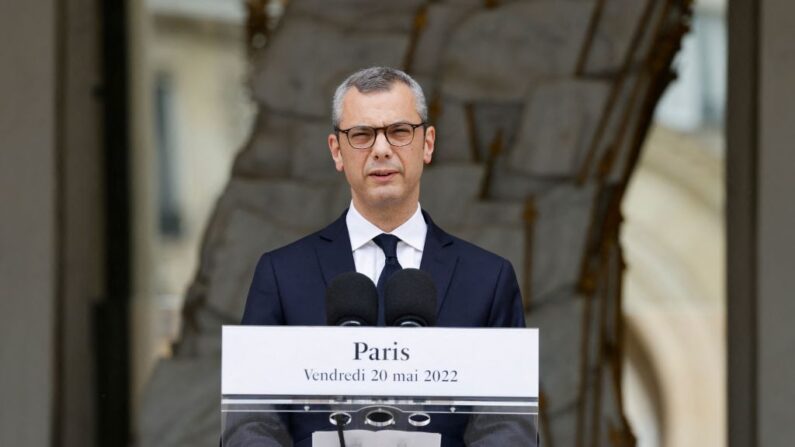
column 368, row 257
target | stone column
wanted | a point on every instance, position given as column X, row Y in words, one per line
column 761, row 216
column 28, row 245
column 51, row 238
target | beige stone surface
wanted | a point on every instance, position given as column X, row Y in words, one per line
column 448, row 189
column 514, row 46
column 558, row 320
column 267, row 152
column 560, row 231
column 452, row 138
column 441, row 20
column 360, row 15
column 557, row 127
column 674, row 289
column 311, row 159
column 182, row 403
column 619, row 22
column 314, row 57
column 246, row 237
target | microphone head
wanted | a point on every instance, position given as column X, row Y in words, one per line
column 410, row 299
column 351, row 300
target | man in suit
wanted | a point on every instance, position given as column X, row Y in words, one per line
column 381, row 141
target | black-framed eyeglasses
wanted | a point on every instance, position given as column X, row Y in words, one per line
column 397, row 134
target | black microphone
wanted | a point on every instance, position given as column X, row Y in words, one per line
column 410, row 299
column 351, row 300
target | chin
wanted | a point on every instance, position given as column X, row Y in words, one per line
column 385, row 198
column 387, row 201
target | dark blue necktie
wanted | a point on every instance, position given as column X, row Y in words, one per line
column 388, row 244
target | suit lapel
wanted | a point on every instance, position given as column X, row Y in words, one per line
column 333, row 249
column 438, row 260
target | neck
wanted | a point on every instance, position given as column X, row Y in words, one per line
column 387, row 218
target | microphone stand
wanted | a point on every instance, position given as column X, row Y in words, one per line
column 340, row 420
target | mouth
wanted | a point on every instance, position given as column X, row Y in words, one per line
column 383, row 174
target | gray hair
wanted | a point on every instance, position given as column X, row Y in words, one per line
column 377, row 79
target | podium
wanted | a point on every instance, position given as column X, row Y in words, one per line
column 379, row 386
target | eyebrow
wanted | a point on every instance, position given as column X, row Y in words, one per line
column 386, row 125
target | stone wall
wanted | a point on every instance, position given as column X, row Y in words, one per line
column 541, row 108
column 28, row 234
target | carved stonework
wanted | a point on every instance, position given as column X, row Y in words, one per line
column 541, row 106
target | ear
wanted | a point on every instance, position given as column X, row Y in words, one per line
column 336, row 154
column 429, row 144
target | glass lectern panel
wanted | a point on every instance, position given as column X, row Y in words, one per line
column 378, row 422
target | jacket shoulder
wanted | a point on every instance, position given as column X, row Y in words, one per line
column 307, row 244
column 299, row 247
column 468, row 248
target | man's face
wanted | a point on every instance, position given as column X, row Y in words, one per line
column 383, row 176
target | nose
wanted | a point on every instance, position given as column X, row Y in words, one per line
column 381, row 147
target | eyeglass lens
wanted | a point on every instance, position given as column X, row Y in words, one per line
column 399, row 134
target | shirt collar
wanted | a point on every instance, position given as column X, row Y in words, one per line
column 362, row 231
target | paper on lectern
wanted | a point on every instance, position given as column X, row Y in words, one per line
column 383, row 438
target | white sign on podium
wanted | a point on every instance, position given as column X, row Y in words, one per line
column 280, row 364
column 384, row 385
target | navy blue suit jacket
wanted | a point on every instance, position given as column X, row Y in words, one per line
column 476, row 289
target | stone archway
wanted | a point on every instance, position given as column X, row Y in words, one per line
column 542, row 107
